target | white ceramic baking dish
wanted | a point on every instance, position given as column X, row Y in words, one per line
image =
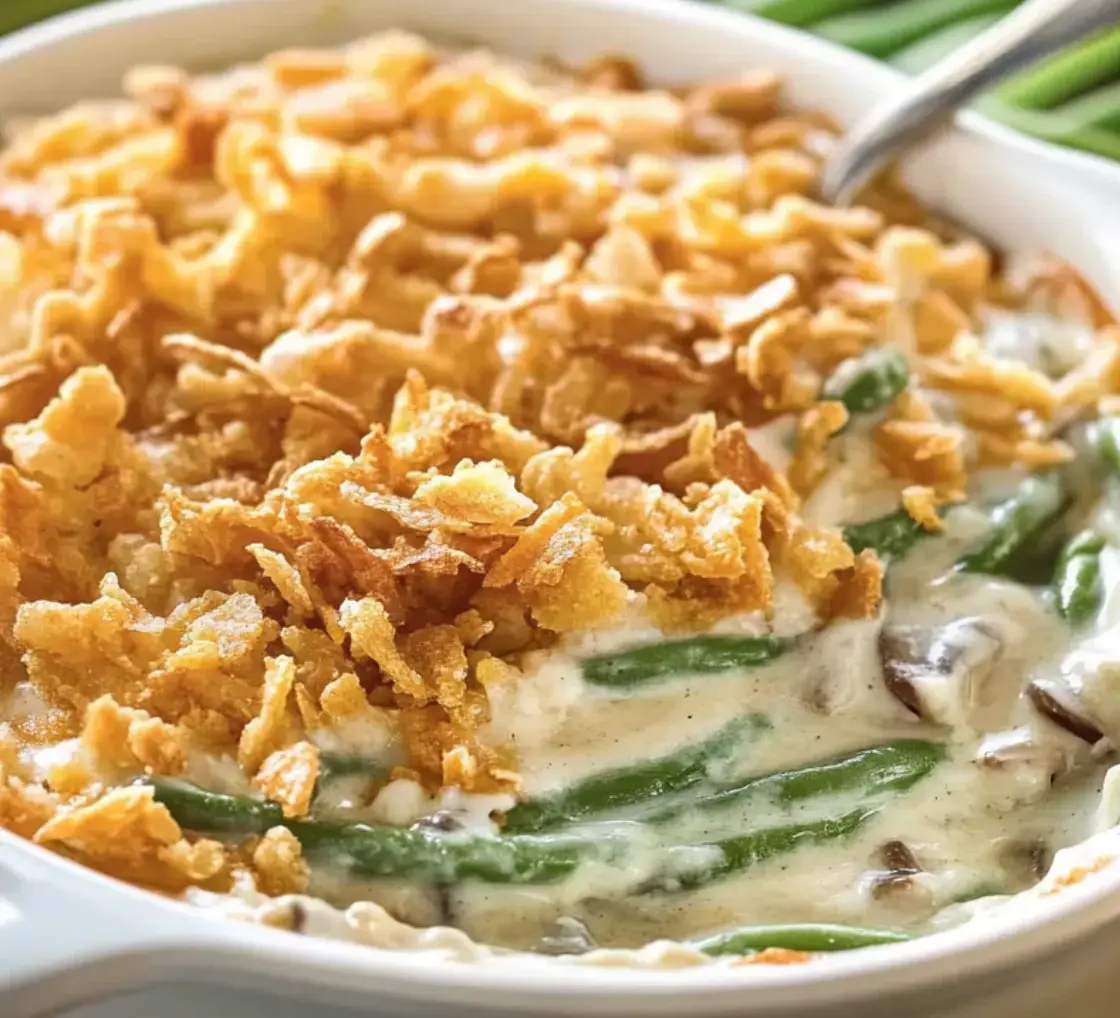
column 68, row 935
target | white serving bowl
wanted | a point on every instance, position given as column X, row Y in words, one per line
column 68, row 935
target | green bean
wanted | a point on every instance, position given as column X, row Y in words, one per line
column 798, row 12
column 629, row 786
column 214, row 812
column 701, row 655
column 924, row 53
column 868, row 382
column 881, row 32
column 1068, row 74
column 438, row 858
column 1105, row 437
column 345, row 765
column 1085, row 123
column 891, row 767
column 1098, row 108
column 892, row 536
column 430, row 857
column 21, row 13
column 798, row 937
column 433, row 857
column 1078, row 588
column 1016, row 526
column 1052, row 126
column 688, row 867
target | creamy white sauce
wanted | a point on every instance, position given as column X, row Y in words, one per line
column 1052, row 345
column 1014, row 788
column 982, row 826
column 963, row 823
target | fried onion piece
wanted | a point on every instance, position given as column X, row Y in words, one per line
column 478, row 493
column 278, row 863
column 734, row 458
column 272, row 726
column 288, row 776
column 25, row 807
column 921, row 503
column 127, row 833
column 373, row 636
column 814, row 428
column 71, row 439
column 859, row 590
column 131, row 739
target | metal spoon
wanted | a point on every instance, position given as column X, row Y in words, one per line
column 1033, row 31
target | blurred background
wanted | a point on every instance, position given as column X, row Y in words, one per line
column 1071, row 100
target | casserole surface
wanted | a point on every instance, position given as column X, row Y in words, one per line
column 1088, row 260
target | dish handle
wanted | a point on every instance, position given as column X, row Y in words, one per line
column 68, row 937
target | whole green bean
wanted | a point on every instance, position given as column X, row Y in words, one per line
column 702, row 655
column 433, row 857
column 868, row 382
column 687, row 867
column 924, row 53
column 20, row 13
column 430, row 857
column 1098, row 108
column 344, row 765
column 798, row 12
column 1070, row 73
column 881, row 32
column 1016, row 524
column 798, row 937
column 891, row 767
column 628, row 786
column 1086, row 122
column 1052, row 126
column 892, row 536
column 1078, row 587
column 213, row 812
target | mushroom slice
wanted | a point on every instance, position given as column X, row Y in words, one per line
column 567, row 935
column 898, row 858
column 841, row 673
column 1058, row 703
column 1020, row 766
column 938, row 673
column 1026, row 861
column 442, row 820
column 900, row 866
column 903, row 661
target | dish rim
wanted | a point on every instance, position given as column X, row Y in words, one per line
column 952, row 955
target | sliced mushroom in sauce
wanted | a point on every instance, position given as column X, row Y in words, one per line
column 1025, row 860
column 567, row 936
column 900, row 866
column 297, row 917
column 1030, row 761
column 937, row 673
column 1060, row 705
column 443, row 820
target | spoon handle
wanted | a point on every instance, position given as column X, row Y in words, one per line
column 1031, row 32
